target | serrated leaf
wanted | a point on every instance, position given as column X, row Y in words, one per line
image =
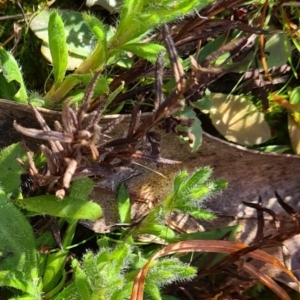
column 201, row 213
column 10, row 169
column 58, row 47
column 82, row 281
column 237, row 119
column 11, row 72
column 196, row 179
column 123, row 203
column 69, row 207
column 179, row 179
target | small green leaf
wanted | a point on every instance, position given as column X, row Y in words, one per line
column 179, row 180
column 69, row 207
column 11, row 169
column 101, row 85
column 54, row 275
column 81, row 188
column 203, row 214
column 99, row 55
column 148, row 51
column 54, row 269
column 113, row 95
column 82, row 281
column 204, row 103
column 196, row 179
column 123, row 202
column 11, row 72
column 79, row 41
column 16, row 279
column 98, row 29
column 195, row 131
column 58, row 47
column 295, row 96
column 68, row 293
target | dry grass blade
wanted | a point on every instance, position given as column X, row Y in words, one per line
column 266, row 280
column 159, row 67
column 173, row 101
column 204, row 246
column 174, row 58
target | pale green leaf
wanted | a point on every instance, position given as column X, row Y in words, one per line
column 69, row 207
column 238, row 120
column 81, row 188
column 148, row 51
column 82, row 281
column 80, row 43
column 58, row 48
column 123, row 203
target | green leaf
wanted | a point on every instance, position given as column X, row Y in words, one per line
column 17, row 249
column 204, row 103
column 97, row 59
column 10, row 169
column 68, row 293
column 101, row 85
column 123, row 203
column 196, row 179
column 17, row 280
column 130, row 7
column 54, row 269
column 148, row 51
column 69, row 207
column 295, row 96
column 166, row 271
column 203, row 214
column 81, row 188
column 179, row 180
column 54, row 275
column 58, row 47
column 195, row 131
column 153, row 224
column 80, row 43
column 11, row 72
column 82, row 281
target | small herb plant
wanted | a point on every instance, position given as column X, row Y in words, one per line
column 100, row 275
